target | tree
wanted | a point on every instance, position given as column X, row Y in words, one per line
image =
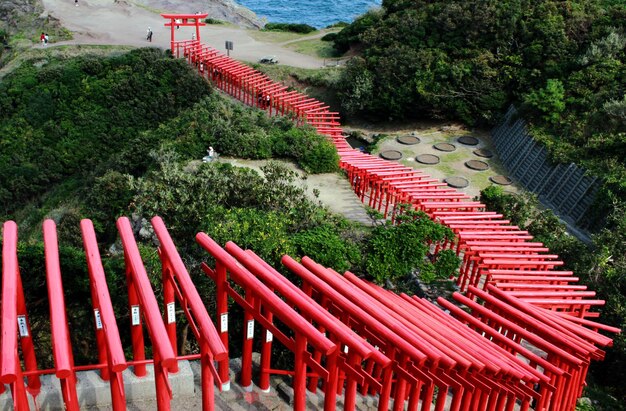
column 548, row 100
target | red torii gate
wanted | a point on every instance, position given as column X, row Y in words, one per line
column 111, row 361
column 257, row 302
column 185, row 20
column 406, row 348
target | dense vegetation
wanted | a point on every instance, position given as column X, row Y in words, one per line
column 562, row 63
column 291, row 27
column 97, row 138
column 601, row 266
column 469, row 59
column 68, row 117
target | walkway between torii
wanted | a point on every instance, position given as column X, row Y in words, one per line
column 347, row 335
column 384, row 185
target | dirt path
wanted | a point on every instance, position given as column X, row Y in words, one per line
column 313, row 37
column 104, row 22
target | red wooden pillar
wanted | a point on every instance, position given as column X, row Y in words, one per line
column 109, row 344
column 61, row 346
column 10, row 368
column 198, row 27
column 169, row 307
column 100, row 338
column 248, row 338
column 208, row 380
column 299, row 377
column 266, row 353
column 222, row 318
column 136, row 329
column 26, row 339
column 172, row 36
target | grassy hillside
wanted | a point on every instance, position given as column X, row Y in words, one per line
column 63, row 118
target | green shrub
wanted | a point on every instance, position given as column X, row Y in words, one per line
column 549, row 101
column 291, row 27
column 238, row 131
column 395, row 251
column 325, row 245
column 210, row 20
column 320, row 157
column 55, row 117
column 339, row 24
column 329, row 37
column 264, row 232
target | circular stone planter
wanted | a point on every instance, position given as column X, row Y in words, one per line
column 457, row 182
column 477, row 165
column 391, row 155
column 483, row 152
column 408, row 140
column 501, row 180
column 427, row 159
column 447, row 147
column 468, row 140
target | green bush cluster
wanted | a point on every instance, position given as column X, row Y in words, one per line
column 339, row 24
column 470, row 59
column 291, row 27
column 69, row 116
column 80, row 118
column 396, row 250
column 329, row 37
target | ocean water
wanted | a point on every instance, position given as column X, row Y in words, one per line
column 316, row 13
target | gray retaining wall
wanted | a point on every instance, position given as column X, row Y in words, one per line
column 566, row 189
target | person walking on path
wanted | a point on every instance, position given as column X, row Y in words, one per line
column 149, row 36
column 45, row 39
column 76, row 3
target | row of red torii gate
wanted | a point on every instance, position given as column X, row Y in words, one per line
column 524, row 339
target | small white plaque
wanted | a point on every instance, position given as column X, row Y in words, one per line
column 250, row 330
column 269, row 337
column 345, row 349
column 22, row 326
column 171, row 313
column 134, row 315
column 224, row 323
column 96, row 314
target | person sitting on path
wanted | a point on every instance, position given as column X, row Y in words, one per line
column 42, row 38
column 211, row 155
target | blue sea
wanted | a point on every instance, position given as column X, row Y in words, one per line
column 316, row 13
